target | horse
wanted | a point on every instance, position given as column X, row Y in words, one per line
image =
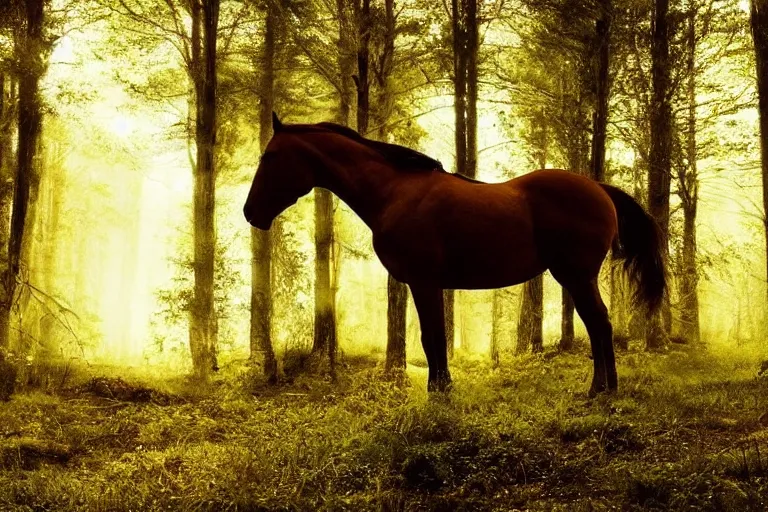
column 435, row 230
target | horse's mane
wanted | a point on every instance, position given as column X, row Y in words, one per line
column 399, row 156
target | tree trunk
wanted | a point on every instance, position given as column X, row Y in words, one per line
column 460, row 86
column 460, row 139
column 397, row 292
column 30, row 53
column 759, row 25
column 203, row 321
column 472, row 44
column 7, row 118
column 530, row 323
column 325, row 307
column 261, row 241
column 660, row 152
column 600, row 119
column 325, row 337
column 363, row 14
column 397, row 302
column 530, row 326
column 496, row 312
column 566, row 321
column 689, row 192
column 619, row 314
column 465, row 50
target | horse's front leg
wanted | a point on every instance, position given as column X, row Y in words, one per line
column 429, row 305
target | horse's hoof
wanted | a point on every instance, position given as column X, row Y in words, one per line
column 594, row 390
column 440, row 386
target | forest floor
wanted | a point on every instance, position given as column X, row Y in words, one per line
column 688, row 430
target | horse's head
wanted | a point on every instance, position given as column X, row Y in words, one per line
column 284, row 175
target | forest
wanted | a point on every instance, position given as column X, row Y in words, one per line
column 159, row 353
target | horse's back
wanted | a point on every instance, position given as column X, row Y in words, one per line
column 574, row 218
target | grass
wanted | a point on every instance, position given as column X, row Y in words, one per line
column 686, row 431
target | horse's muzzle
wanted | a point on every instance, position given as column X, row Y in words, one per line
column 262, row 224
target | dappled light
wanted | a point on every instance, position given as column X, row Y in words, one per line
column 160, row 348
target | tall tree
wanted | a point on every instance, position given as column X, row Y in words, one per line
column 530, row 325
column 688, row 191
column 7, row 128
column 31, row 51
column 7, row 172
column 602, row 89
column 192, row 28
column 203, row 321
column 362, row 78
column 465, row 46
column 325, row 283
column 659, row 164
column 759, row 26
column 261, row 241
column 397, row 292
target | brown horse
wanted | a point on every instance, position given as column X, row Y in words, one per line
column 434, row 230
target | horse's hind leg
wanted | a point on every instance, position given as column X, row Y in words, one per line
column 594, row 314
column 429, row 305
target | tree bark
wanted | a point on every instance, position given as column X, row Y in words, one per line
column 261, row 241
column 566, row 321
column 530, row 326
column 465, row 53
column 325, row 314
column 7, row 117
column 689, row 195
column 472, row 47
column 759, row 25
column 660, row 152
column 397, row 302
column 600, row 119
column 325, row 336
column 363, row 12
column 203, row 321
column 397, row 292
column 460, row 140
column 496, row 312
column 30, row 54
column 459, row 85
column 530, row 322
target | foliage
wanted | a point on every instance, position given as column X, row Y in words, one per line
column 175, row 302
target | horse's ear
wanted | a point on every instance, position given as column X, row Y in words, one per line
column 276, row 124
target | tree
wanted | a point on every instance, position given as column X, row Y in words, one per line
column 31, row 51
column 203, row 322
column 660, row 155
column 759, row 26
column 397, row 292
column 197, row 46
column 261, row 241
column 688, row 191
column 602, row 90
column 465, row 45
column 530, row 326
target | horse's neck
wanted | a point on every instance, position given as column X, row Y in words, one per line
column 360, row 182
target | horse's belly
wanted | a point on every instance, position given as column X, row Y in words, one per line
column 490, row 255
column 488, row 266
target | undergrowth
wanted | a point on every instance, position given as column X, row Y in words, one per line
column 685, row 432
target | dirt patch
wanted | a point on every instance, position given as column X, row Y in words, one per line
column 122, row 391
column 29, row 453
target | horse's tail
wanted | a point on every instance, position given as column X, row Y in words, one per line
column 639, row 243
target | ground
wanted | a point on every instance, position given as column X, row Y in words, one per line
column 687, row 430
